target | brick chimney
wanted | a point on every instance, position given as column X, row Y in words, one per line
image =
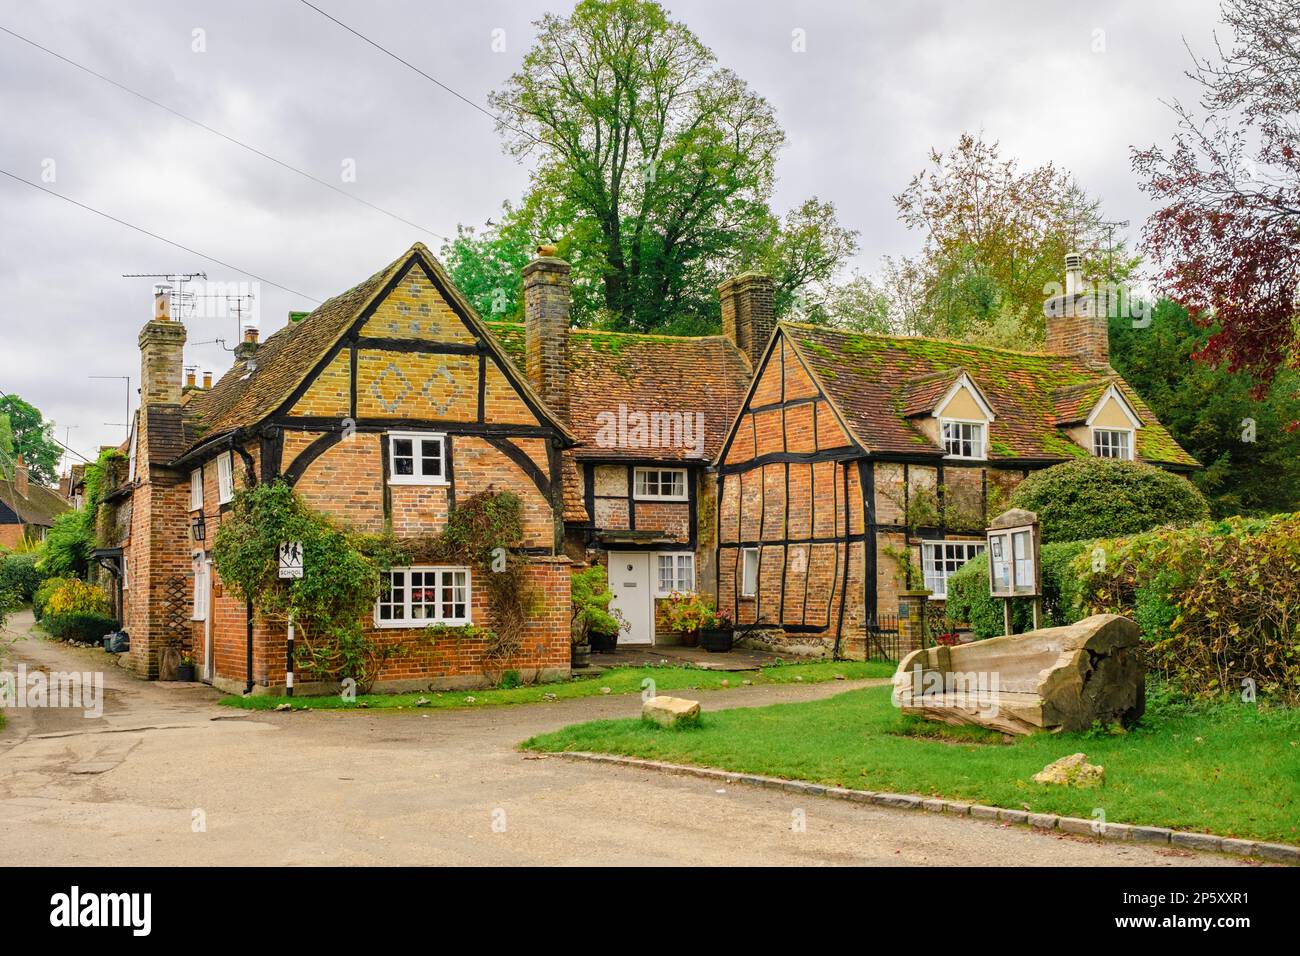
column 162, row 345
column 20, row 476
column 546, row 328
column 1076, row 321
column 247, row 348
column 748, row 316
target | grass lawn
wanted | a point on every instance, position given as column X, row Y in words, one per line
column 1226, row 768
column 622, row 680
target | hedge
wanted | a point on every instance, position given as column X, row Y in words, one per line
column 1218, row 603
column 75, row 597
column 83, row 627
column 43, row 594
column 1102, row 497
column 969, row 599
column 20, row 575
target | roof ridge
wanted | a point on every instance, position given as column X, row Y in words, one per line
column 809, row 327
column 639, row 335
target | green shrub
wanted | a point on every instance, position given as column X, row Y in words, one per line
column 969, row 599
column 43, row 594
column 19, row 574
column 1218, row 603
column 88, row 628
column 75, row 597
column 1102, row 497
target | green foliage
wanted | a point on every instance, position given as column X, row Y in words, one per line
column 509, row 680
column 66, row 549
column 20, row 575
column 32, row 437
column 1101, row 497
column 44, row 592
column 75, row 597
column 1251, row 459
column 1218, row 602
column 969, row 599
column 591, row 598
column 338, row 588
column 84, row 626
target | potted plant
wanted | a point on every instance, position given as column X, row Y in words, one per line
column 185, row 669
column 693, row 615
column 592, row 617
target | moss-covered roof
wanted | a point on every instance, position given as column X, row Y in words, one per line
column 877, row 380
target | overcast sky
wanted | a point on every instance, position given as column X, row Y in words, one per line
column 879, row 84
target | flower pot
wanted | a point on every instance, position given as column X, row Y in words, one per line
column 716, row 640
column 581, row 656
column 603, row 643
column 185, row 672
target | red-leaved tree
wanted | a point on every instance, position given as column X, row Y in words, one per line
column 1227, row 235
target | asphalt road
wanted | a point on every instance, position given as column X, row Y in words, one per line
column 166, row 776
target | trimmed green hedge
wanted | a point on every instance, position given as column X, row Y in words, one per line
column 1102, row 497
column 969, row 599
column 1218, row 603
column 87, row 628
column 20, row 575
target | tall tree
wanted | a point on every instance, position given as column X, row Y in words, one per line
column 33, row 438
column 661, row 159
column 1227, row 235
column 996, row 236
column 1251, row 460
column 6, row 447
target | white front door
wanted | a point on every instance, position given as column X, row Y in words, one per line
column 209, row 657
column 629, row 580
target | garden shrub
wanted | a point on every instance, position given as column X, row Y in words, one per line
column 1102, row 497
column 1218, row 602
column 44, row 592
column 20, row 575
column 969, row 599
column 84, row 626
column 76, row 597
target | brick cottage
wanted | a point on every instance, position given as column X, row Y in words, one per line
column 777, row 466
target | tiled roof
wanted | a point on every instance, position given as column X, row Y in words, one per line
column 921, row 394
column 244, row 396
column 168, row 433
column 39, row 506
column 868, row 378
column 608, row 371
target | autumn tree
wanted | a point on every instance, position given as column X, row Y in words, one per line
column 1227, row 233
column 995, row 240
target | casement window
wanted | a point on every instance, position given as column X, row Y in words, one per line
column 748, row 572
column 417, row 458
column 196, row 489
column 225, row 478
column 1112, row 443
column 939, row 559
column 416, row 597
column 674, row 572
column 962, row 439
column 659, row 484
column 201, row 588
column 126, row 582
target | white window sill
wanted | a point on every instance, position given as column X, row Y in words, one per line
column 421, row 624
column 678, row 498
column 425, row 482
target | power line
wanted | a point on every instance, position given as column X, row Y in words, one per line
column 55, row 440
column 434, row 80
column 154, row 235
column 216, row 132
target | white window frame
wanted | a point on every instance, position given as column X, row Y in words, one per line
column 640, row 482
column 196, row 489
column 979, row 449
column 126, row 582
column 935, row 576
column 1129, row 436
column 417, row 476
column 746, row 589
column 225, row 478
column 683, row 570
column 408, row 620
column 202, row 586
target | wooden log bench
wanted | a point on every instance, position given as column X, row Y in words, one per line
column 1054, row 678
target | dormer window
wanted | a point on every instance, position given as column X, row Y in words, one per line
column 1113, row 443
column 962, row 439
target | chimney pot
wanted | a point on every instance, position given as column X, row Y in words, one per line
column 189, row 378
column 547, row 302
column 207, row 380
column 162, row 302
